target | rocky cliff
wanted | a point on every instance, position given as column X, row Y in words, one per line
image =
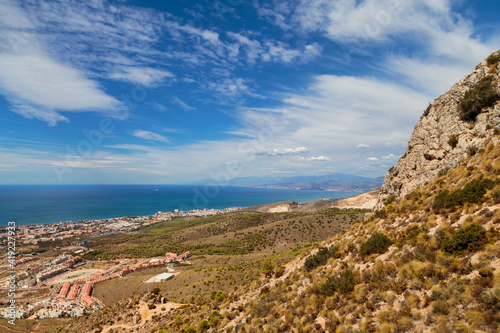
column 447, row 134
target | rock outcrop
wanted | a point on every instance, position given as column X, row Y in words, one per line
column 441, row 139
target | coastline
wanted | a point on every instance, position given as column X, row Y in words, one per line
column 55, row 203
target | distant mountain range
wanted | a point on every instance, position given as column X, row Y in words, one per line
column 330, row 182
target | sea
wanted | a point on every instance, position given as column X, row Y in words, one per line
column 40, row 204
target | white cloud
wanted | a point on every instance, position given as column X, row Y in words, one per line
column 396, row 144
column 278, row 15
column 40, row 85
column 232, row 88
column 330, row 113
column 49, row 116
column 130, row 147
column 184, row 106
column 390, row 157
column 140, row 75
column 212, row 37
column 39, row 80
column 159, row 106
column 372, row 159
column 147, row 135
column 432, row 25
column 271, row 50
column 432, row 76
column 372, row 19
column 278, row 51
column 318, row 158
column 286, row 151
column 312, row 50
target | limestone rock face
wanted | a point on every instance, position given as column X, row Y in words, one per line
column 429, row 150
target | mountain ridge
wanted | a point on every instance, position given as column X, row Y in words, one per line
column 446, row 133
column 330, row 182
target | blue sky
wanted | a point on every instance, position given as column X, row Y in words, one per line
column 107, row 92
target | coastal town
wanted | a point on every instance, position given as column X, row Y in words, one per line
column 70, row 281
column 63, row 284
column 85, row 230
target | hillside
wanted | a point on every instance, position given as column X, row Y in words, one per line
column 427, row 260
column 416, row 265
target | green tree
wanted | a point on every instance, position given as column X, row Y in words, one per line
column 378, row 243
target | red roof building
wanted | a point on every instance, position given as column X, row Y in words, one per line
column 73, row 291
column 87, row 289
column 87, row 301
column 64, row 290
column 169, row 256
column 184, row 256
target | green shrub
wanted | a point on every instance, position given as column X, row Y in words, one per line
column 443, row 172
column 472, row 192
column 426, row 112
column 493, row 59
column 470, row 238
column 279, row 272
column 344, row 283
column 214, row 318
column 381, row 214
column 492, row 300
column 267, row 266
column 320, row 258
column 390, row 199
column 411, row 233
column 378, row 243
column 440, row 307
column 218, row 295
column 472, row 150
column 453, row 140
column 483, row 94
column 203, row 325
column 189, row 329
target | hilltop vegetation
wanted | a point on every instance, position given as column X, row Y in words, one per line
column 233, row 234
column 229, row 250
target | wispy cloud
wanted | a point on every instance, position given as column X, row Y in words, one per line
column 396, row 144
column 130, row 147
column 39, row 85
column 362, row 145
column 182, row 104
column 271, row 50
column 151, row 136
column 389, row 157
column 140, row 75
column 283, row 152
column 159, row 106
